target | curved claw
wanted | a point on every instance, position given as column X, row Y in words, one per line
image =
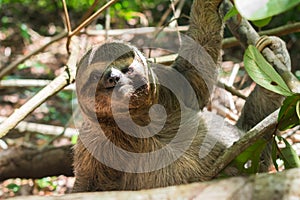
column 263, row 42
column 277, row 46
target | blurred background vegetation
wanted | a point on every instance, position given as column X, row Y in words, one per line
column 46, row 18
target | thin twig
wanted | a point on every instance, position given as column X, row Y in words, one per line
column 231, row 90
column 21, row 83
column 91, row 18
column 232, row 77
column 166, row 14
column 89, row 11
column 66, row 13
column 88, row 21
column 175, row 21
column 161, row 29
column 68, row 24
column 176, row 13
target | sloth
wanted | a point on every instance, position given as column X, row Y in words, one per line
column 144, row 125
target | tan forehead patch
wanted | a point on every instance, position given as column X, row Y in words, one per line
column 122, row 62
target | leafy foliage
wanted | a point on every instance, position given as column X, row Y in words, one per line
column 262, row 22
column 261, row 13
column 263, row 73
column 257, row 9
column 289, row 116
column 287, row 154
column 232, row 12
column 45, row 182
column 289, row 113
column 14, row 187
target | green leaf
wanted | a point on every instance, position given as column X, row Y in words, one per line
column 74, row 139
column 289, row 155
column 22, row 66
column 250, row 156
column 262, row 22
column 263, row 73
column 274, row 153
column 232, row 12
column 24, row 32
column 288, row 116
column 297, row 74
column 14, row 187
column 46, row 182
column 258, row 9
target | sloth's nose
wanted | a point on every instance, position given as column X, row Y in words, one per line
column 111, row 78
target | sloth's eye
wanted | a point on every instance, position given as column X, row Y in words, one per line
column 127, row 70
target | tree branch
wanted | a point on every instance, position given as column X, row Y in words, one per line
column 278, row 31
column 265, row 127
column 284, row 185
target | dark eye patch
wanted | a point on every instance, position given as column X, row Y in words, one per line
column 127, row 69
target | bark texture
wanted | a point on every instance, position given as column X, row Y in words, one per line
column 284, row 185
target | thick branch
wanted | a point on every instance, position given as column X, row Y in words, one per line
column 284, row 185
column 24, row 162
column 265, row 127
column 278, row 31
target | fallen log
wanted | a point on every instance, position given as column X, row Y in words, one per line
column 27, row 162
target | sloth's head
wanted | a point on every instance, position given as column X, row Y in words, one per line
column 114, row 77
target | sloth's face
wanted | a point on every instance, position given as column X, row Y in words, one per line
column 109, row 86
